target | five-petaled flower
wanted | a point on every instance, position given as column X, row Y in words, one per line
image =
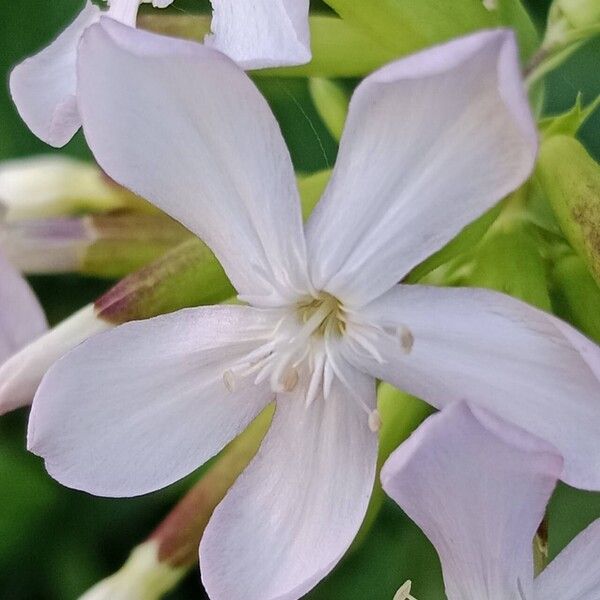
column 431, row 142
column 478, row 488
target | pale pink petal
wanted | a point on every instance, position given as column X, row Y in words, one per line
column 43, row 87
column 574, row 573
column 262, row 33
column 431, row 142
column 523, row 364
column 213, row 157
column 22, row 373
column 294, row 511
column 21, row 316
column 478, row 488
column 138, row 407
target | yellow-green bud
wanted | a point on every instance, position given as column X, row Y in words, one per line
column 580, row 13
column 331, row 102
column 570, row 179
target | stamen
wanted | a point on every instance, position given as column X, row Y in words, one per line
column 404, row 592
column 375, row 426
column 316, row 379
column 407, row 339
column 290, row 379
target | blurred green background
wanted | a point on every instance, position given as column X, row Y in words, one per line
column 54, row 543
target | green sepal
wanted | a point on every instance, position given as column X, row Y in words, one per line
column 570, row 179
column 570, row 121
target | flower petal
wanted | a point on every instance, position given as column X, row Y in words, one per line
column 431, row 142
column 264, row 33
column 294, row 511
column 573, row 574
column 22, row 373
column 21, row 316
column 137, row 408
column 489, row 349
column 478, row 488
column 214, row 157
column 43, row 87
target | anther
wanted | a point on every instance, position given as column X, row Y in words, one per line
column 404, row 592
column 289, row 379
column 406, row 337
column 229, row 380
column 374, row 421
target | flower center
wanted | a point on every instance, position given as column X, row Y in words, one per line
column 307, row 343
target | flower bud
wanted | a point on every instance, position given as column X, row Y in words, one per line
column 110, row 245
column 508, row 260
column 142, row 577
column 21, row 374
column 570, row 179
column 577, row 295
column 331, row 101
column 157, row 565
column 579, row 13
column 51, row 185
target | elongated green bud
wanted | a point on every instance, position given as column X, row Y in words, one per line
column 577, row 295
column 331, row 102
column 579, row 13
column 111, row 245
column 156, row 566
column 188, row 275
column 570, row 179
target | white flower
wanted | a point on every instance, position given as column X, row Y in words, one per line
column 262, row 33
column 44, row 86
column 431, row 142
column 478, row 488
column 54, row 186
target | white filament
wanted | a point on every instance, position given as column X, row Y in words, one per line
column 307, row 339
